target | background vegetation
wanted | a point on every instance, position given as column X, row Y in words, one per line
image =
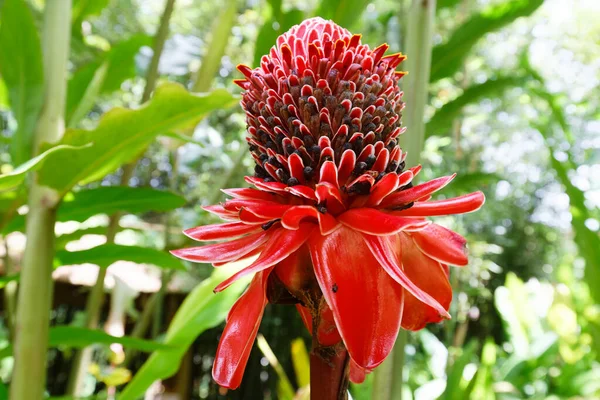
column 511, row 104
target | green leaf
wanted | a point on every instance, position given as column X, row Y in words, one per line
column 4, row 103
column 441, row 122
column 85, row 8
column 448, row 57
column 10, row 278
column 81, row 205
column 89, row 97
column 201, row 310
column 22, row 70
column 14, row 178
column 74, row 337
column 301, row 362
column 109, row 253
column 342, row 12
column 267, row 35
column 184, row 138
column 120, row 65
column 122, row 134
column 62, row 240
column 455, row 385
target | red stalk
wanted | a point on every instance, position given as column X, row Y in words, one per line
column 329, row 370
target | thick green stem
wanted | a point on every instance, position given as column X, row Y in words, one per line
column 388, row 381
column 35, row 294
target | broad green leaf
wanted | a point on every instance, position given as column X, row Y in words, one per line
column 342, row 12
column 449, row 56
column 22, row 70
column 184, row 138
column 441, row 122
column 122, row 134
column 62, row 240
column 86, row 8
column 74, row 337
column 109, row 253
column 120, row 61
column 14, row 178
column 81, row 205
column 201, row 310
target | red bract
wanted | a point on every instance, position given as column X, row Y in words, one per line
column 338, row 227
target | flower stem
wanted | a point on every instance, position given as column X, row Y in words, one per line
column 35, row 294
column 329, row 370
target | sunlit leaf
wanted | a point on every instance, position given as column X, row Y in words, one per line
column 22, row 71
column 14, row 178
column 448, row 57
column 85, row 8
column 201, row 310
column 106, row 254
column 122, row 134
column 301, row 362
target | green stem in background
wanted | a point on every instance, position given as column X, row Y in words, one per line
column 388, row 380
column 159, row 43
column 418, row 49
column 95, row 299
column 35, row 294
column 211, row 61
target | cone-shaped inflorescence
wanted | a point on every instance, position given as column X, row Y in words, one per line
column 322, row 95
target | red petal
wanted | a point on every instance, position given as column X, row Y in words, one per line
column 347, row 165
column 274, row 187
column 430, row 276
column 302, row 191
column 417, row 192
column 260, row 208
column 229, row 230
column 366, row 302
column 221, row 252
column 239, row 333
column 442, row 244
column 327, row 223
column 249, row 217
column 383, row 250
column 357, row 374
column 221, row 212
column 385, row 186
column 283, row 242
column 250, row 194
column 296, row 166
column 295, row 215
column 330, row 195
column 375, row 222
column 329, row 173
column 457, row 205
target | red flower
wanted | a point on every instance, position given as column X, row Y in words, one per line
column 337, row 225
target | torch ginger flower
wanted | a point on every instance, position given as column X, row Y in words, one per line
column 337, row 225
